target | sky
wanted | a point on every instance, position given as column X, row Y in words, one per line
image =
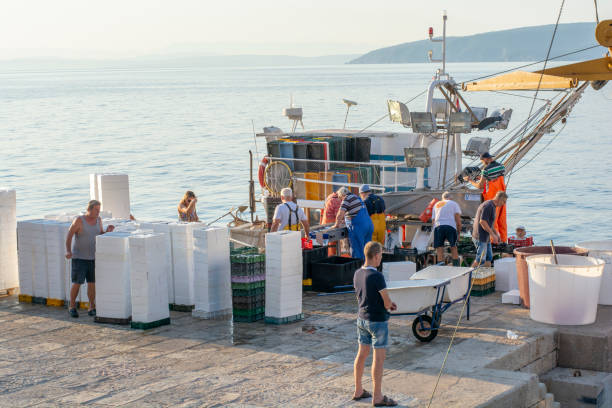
column 131, row 28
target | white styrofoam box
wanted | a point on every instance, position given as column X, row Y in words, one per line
column 83, row 296
column 113, row 293
column 283, row 274
column 114, row 194
column 212, row 271
column 162, row 227
column 398, row 271
column 32, row 255
column 422, row 239
column 9, row 271
column 512, row 297
column 181, row 234
column 93, row 187
column 148, row 279
column 55, row 239
column 68, row 281
column 505, row 274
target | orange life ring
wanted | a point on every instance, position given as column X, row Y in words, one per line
column 262, row 169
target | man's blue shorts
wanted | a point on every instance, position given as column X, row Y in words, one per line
column 481, row 247
column 375, row 334
column 445, row 233
column 83, row 270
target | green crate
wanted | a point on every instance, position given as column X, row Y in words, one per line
column 248, row 286
column 246, row 302
column 244, row 250
column 248, row 319
column 284, row 320
column 249, row 312
column 248, row 269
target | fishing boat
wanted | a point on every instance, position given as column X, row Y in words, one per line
column 416, row 164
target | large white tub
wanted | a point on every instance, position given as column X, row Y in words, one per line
column 602, row 250
column 458, row 276
column 413, row 296
column 564, row 293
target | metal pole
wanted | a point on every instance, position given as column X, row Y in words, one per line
column 444, row 44
column 346, row 116
column 251, row 188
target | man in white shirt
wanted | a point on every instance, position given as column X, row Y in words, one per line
column 446, row 219
column 288, row 216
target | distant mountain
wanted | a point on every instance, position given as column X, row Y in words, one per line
column 519, row 44
column 173, row 61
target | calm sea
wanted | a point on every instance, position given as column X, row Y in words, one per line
column 191, row 128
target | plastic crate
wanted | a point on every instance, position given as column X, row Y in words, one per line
column 244, row 250
column 249, row 312
column 248, row 292
column 309, row 256
column 248, row 279
column 329, row 274
column 248, row 319
column 248, row 269
column 249, row 286
column 249, row 302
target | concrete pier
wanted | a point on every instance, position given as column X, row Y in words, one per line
column 48, row 359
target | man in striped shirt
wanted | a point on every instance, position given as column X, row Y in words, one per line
column 357, row 220
column 491, row 181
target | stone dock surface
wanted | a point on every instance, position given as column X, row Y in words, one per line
column 48, row 359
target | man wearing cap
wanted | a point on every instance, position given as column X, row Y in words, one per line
column 376, row 211
column 491, row 181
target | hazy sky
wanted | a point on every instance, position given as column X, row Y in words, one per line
column 113, row 28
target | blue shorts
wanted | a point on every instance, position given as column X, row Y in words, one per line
column 83, row 270
column 375, row 334
column 481, row 247
column 445, row 233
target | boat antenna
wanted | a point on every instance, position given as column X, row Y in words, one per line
column 596, row 12
column 443, row 41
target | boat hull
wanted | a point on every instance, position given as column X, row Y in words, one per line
column 415, row 201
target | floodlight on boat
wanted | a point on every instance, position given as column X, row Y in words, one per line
column 477, row 146
column 460, row 122
column 293, row 113
column 480, row 113
column 417, row 157
column 423, row 122
column 398, row 112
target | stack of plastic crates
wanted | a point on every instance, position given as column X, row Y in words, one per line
column 248, row 284
column 483, row 281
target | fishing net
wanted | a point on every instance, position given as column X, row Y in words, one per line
column 277, row 176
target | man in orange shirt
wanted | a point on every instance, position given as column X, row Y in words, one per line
column 492, row 181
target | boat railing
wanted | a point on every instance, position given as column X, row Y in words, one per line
column 396, row 186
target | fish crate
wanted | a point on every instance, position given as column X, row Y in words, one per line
column 248, row 319
column 333, row 273
column 249, row 312
column 248, row 292
column 309, row 256
column 249, row 286
column 249, row 302
column 284, row 320
column 244, row 250
column 248, row 279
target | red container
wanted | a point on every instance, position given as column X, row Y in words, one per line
column 522, row 273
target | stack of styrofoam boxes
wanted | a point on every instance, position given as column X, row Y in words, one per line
column 398, row 271
column 181, row 234
column 211, row 263
column 283, row 277
column 149, row 284
column 55, row 239
column 113, row 191
column 161, row 227
column 9, row 276
column 248, row 284
column 32, row 260
column 113, row 295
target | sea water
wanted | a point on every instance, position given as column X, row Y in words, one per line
column 174, row 129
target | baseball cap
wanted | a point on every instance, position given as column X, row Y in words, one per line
column 485, row 155
column 364, row 188
column 521, row 227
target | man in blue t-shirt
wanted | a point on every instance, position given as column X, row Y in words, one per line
column 372, row 327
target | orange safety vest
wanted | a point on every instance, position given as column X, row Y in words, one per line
column 491, row 188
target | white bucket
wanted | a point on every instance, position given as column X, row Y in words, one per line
column 602, row 250
column 564, row 293
column 505, row 274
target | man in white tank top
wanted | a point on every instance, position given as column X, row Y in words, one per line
column 84, row 228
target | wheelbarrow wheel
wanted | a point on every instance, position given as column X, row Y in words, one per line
column 424, row 332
